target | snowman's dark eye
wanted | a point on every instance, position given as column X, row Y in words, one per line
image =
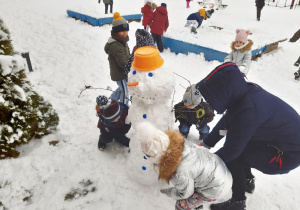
column 134, row 72
column 150, row 74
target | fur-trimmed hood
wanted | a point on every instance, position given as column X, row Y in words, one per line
column 172, row 157
column 244, row 49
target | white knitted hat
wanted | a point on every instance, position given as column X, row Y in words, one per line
column 154, row 142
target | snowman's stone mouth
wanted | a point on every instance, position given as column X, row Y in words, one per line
column 143, row 97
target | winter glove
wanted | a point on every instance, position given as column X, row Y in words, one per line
column 200, row 124
column 166, row 191
column 201, row 143
column 242, row 68
column 209, row 112
column 98, row 110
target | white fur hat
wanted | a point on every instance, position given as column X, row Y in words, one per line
column 154, row 142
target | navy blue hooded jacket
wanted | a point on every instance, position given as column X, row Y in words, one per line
column 196, row 16
column 253, row 114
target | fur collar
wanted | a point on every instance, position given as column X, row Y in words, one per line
column 247, row 47
column 172, row 157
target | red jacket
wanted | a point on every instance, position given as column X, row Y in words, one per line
column 160, row 21
column 148, row 12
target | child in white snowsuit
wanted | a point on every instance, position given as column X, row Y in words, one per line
column 196, row 175
column 241, row 51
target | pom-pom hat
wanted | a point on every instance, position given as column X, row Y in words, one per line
column 119, row 23
column 192, row 96
column 241, row 35
column 109, row 108
column 163, row 5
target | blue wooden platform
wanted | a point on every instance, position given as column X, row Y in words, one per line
column 174, row 45
column 178, row 46
column 100, row 21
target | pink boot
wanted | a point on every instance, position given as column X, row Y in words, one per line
column 187, row 4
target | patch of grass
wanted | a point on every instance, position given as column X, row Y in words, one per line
column 86, row 188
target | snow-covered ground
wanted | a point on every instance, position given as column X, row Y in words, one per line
column 67, row 55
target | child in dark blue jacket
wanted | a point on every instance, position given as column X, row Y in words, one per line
column 192, row 110
column 262, row 131
column 112, row 115
column 194, row 20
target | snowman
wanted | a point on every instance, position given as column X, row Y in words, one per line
column 151, row 85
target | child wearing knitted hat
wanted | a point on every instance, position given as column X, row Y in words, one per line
column 112, row 115
column 241, row 51
column 143, row 38
column 193, row 111
column 195, row 175
column 194, row 20
column 118, row 54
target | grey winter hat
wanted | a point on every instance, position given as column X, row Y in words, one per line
column 192, row 96
column 209, row 13
column 119, row 23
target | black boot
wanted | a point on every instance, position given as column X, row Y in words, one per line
column 297, row 62
column 297, row 75
column 231, row 204
column 194, row 30
column 101, row 145
column 250, row 185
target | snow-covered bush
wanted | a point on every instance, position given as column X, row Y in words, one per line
column 24, row 114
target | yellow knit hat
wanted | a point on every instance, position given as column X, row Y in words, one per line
column 202, row 13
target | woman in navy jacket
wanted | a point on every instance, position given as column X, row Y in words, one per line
column 261, row 130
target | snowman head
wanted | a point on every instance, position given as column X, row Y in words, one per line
column 148, row 81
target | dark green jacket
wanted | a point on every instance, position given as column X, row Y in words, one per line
column 118, row 54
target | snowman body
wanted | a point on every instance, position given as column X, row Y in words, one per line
column 151, row 102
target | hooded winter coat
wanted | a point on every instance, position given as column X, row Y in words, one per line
column 253, row 115
column 147, row 11
column 118, row 54
column 190, row 168
column 241, row 57
column 160, row 21
column 196, row 16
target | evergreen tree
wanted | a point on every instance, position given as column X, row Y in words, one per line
column 24, row 114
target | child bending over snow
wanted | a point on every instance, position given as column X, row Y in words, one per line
column 196, row 175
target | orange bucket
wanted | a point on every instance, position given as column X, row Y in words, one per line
column 147, row 58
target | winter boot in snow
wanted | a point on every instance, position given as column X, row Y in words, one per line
column 297, row 75
column 250, row 185
column 297, row 62
column 193, row 30
column 101, row 145
column 231, row 204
